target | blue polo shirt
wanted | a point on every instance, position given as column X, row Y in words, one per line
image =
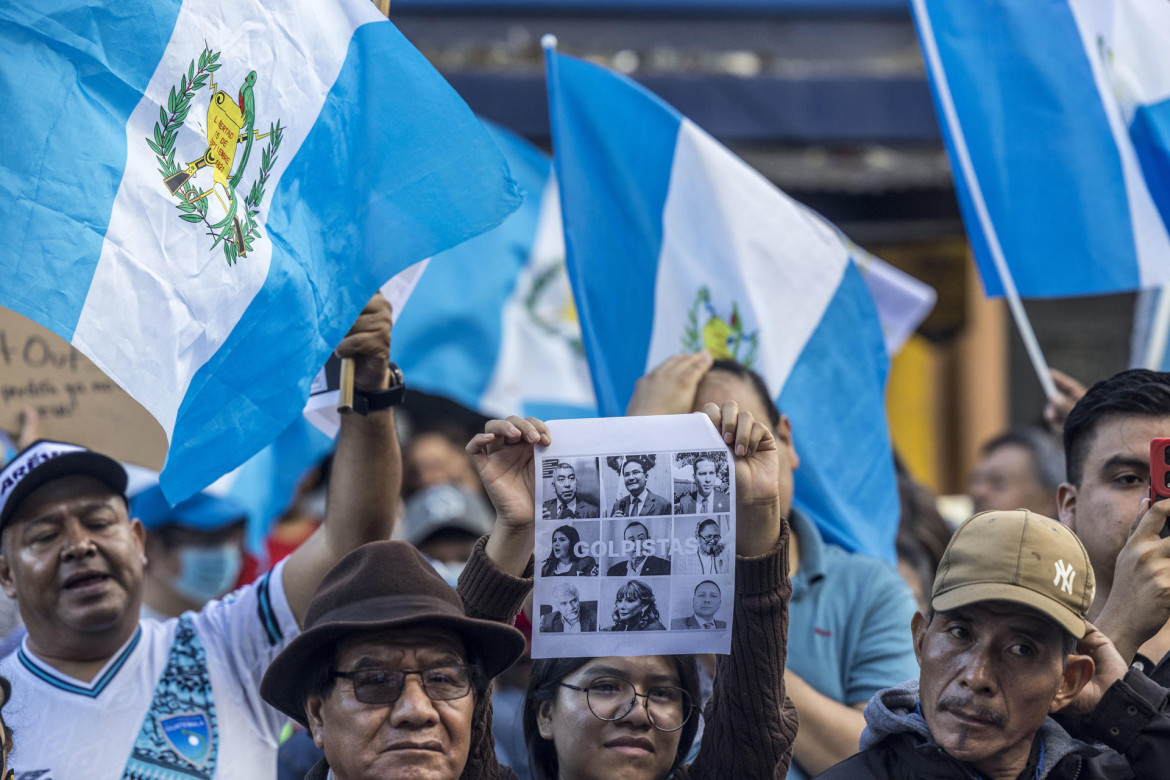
column 848, row 622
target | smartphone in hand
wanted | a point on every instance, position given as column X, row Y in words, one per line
column 1160, row 474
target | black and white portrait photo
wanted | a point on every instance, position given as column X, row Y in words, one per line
column 701, row 607
column 702, row 545
column 637, row 547
column 701, row 483
column 640, row 485
column 566, row 550
column 634, row 604
column 569, row 611
column 571, row 488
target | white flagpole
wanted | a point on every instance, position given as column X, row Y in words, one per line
column 1159, row 330
column 968, row 171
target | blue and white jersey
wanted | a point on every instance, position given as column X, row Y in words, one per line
column 203, row 718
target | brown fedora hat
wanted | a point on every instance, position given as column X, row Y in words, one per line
column 382, row 585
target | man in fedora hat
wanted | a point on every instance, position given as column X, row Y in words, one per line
column 1004, row 645
column 390, row 676
column 99, row 692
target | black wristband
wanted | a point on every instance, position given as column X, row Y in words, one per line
column 376, row 400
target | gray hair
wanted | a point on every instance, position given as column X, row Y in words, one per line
column 565, row 589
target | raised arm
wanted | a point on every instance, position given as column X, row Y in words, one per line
column 504, row 457
column 751, row 722
column 499, row 574
column 367, row 466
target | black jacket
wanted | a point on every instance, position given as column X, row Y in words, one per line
column 1132, row 722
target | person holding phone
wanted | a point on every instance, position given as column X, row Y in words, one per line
column 1107, row 439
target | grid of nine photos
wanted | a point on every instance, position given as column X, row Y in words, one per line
column 635, row 542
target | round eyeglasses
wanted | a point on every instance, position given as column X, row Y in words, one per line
column 384, row 686
column 612, row 698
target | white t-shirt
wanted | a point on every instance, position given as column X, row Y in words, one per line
column 67, row 729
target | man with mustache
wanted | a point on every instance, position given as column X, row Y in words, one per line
column 1004, row 645
column 567, row 504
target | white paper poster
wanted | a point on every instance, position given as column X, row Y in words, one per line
column 635, row 538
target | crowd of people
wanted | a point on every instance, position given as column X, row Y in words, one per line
column 393, row 640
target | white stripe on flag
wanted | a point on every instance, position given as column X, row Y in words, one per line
column 1107, row 33
column 535, row 366
column 719, row 207
column 155, row 277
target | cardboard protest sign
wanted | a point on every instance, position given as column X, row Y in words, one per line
column 74, row 400
column 635, row 538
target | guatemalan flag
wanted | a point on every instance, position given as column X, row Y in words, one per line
column 1056, row 115
column 675, row 244
column 491, row 322
column 201, row 196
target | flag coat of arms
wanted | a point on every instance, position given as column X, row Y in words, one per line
column 674, row 244
column 201, row 196
column 509, row 343
column 1056, row 116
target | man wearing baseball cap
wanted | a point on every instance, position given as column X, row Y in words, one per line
column 390, row 675
column 99, row 692
column 1004, row 645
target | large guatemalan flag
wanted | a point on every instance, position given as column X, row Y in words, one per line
column 675, row 244
column 492, row 323
column 201, row 196
column 1056, row 115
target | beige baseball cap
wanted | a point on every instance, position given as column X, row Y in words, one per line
column 1021, row 557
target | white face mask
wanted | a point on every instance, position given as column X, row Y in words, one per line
column 206, row 573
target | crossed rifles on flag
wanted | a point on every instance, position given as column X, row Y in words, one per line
column 229, row 123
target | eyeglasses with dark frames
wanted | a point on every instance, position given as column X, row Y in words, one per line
column 384, row 686
column 710, row 537
column 612, row 698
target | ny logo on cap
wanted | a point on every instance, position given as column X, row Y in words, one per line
column 1064, row 577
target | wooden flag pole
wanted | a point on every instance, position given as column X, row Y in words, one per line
column 963, row 155
column 345, row 386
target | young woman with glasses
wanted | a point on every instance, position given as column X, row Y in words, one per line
column 635, row 717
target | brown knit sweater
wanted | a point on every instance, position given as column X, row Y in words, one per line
column 751, row 722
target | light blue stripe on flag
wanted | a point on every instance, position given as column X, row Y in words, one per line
column 491, row 323
column 452, row 330
column 67, row 99
column 618, row 217
column 1034, row 112
column 846, row 462
column 675, row 244
column 267, row 483
column 361, row 161
column 1150, row 131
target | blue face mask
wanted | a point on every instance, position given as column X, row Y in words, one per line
column 449, row 571
column 206, row 573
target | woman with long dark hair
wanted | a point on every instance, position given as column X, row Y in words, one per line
column 563, row 559
column 635, row 717
column 635, row 609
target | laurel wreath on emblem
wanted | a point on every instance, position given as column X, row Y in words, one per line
column 239, row 228
column 540, row 285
